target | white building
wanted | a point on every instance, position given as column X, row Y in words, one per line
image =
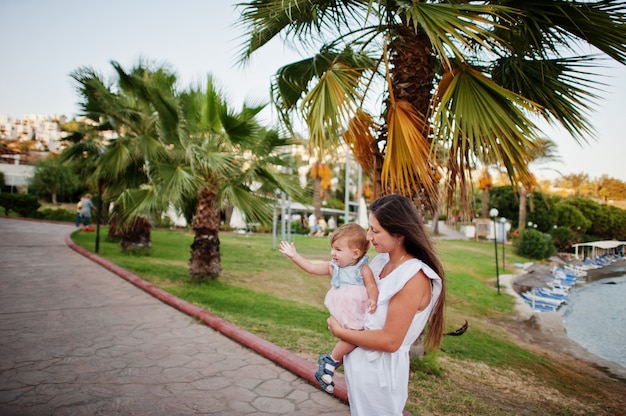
column 44, row 130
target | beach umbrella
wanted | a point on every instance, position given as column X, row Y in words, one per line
column 539, row 269
column 558, row 260
column 534, row 279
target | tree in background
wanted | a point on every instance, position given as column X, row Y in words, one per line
column 579, row 183
column 545, row 151
column 611, row 189
column 199, row 149
column 321, row 175
column 567, row 215
column 461, row 75
column 53, row 178
column 122, row 161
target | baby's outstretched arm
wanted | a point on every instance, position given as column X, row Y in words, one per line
column 289, row 250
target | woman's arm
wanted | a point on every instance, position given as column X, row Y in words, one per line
column 412, row 298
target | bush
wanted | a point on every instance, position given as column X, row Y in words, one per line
column 24, row 204
column 59, row 214
column 298, row 228
column 535, row 245
column 563, row 238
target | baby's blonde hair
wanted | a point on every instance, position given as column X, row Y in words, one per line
column 356, row 236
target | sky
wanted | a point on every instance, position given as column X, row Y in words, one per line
column 44, row 41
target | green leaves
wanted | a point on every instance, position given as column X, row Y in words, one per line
column 453, row 27
column 469, row 76
column 475, row 117
column 169, row 145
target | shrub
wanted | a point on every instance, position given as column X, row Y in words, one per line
column 59, row 214
column 24, row 204
column 563, row 238
column 535, row 245
column 298, row 228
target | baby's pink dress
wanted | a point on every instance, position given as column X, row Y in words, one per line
column 347, row 298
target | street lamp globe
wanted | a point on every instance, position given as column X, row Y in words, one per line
column 493, row 212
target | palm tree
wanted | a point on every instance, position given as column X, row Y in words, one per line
column 123, row 160
column 465, row 76
column 212, row 154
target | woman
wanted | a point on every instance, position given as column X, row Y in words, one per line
column 411, row 295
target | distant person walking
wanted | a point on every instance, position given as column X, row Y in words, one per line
column 80, row 204
column 85, row 209
column 332, row 224
column 313, row 225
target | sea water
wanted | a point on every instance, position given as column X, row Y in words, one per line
column 595, row 317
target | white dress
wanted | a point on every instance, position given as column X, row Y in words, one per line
column 378, row 381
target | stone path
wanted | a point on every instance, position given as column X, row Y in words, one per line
column 76, row 339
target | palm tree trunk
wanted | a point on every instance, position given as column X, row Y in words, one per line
column 205, row 262
column 137, row 235
column 485, row 203
column 412, row 68
column 522, row 209
column 317, row 196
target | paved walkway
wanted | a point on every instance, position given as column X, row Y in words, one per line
column 77, row 339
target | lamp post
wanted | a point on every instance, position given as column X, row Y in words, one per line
column 503, row 222
column 493, row 213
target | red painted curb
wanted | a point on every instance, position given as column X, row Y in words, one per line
column 278, row 355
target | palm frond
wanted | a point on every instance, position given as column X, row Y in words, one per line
column 293, row 81
column 479, row 119
column 137, row 202
column 263, row 20
column 177, row 179
column 449, row 26
column 360, row 138
column 329, row 104
column 562, row 86
column 255, row 208
column 551, row 26
column 114, row 162
column 407, row 167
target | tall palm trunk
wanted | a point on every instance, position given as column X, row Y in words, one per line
column 484, row 203
column 412, row 69
column 317, row 197
column 522, row 209
column 205, row 262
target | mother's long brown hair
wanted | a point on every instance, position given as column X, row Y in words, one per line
column 398, row 216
